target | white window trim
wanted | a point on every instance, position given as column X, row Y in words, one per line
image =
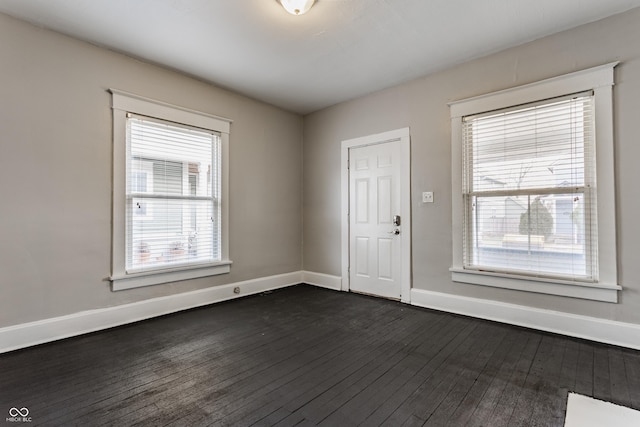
column 599, row 79
column 123, row 103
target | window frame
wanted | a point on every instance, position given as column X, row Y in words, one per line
column 122, row 104
column 598, row 79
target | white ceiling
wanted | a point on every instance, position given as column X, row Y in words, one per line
column 340, row 50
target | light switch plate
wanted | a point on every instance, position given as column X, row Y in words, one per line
column 427, row 197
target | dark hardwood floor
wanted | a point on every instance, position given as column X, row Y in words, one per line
column 309, row 356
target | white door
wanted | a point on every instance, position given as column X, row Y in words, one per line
column 375, row 223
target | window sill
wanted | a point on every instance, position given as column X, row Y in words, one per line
column 591, row 291
column 156, row 277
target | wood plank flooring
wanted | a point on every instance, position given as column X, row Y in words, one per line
column 308, row 356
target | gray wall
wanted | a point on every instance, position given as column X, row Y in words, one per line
column 55, row 174
column 55, row 167
column 422, row 105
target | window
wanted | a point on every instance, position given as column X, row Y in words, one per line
column 172, row 223
column 528, row 190
column 169, row 216
column 530, row 212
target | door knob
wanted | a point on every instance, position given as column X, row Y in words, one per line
column 395, row 232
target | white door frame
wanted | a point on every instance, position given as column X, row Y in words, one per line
column 403, row 136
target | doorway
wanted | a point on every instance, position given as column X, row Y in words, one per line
column 376, row 223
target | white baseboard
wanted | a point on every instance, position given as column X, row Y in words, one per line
column 322, row 280
column 591, row 328
column 42, row 331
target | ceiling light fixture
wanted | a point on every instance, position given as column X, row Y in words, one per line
column 297, row 7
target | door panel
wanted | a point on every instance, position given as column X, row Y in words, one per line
column 362, row 256
column 385, row 250
column 375, row 250
column 385, row 199
column 362, row 201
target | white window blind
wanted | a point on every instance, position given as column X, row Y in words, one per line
column 173, row 215
column 529, row 190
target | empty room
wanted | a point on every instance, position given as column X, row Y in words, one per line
column 319, row 212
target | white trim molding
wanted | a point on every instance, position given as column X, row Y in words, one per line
column 130, row 281
column 586, row 327
column 598, row 79
column 404, row 136
column 47, row 330
column 322, row 280
column 591, row 78
column 127, row 101
column 124, row 103
column 592, row 291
